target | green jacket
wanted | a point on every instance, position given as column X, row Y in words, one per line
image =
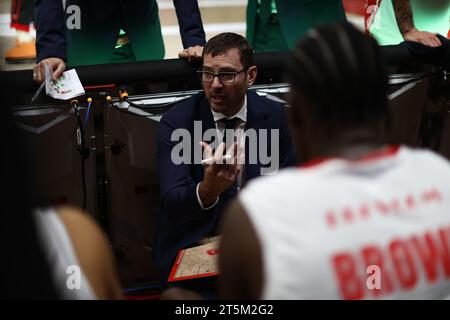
column 86, row 31
column 297, row 16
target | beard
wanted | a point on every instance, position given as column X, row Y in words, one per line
column 218, row 101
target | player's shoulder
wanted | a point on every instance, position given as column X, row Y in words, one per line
column 278, row 181
column 426, row 157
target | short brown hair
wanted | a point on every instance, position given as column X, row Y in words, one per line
column 223, row 42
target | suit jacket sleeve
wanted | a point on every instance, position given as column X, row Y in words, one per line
column 190, row 21
column 287, row 156
column 178, row 188
column 50, row 31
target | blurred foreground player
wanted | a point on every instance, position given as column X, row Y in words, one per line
column 359, row 219
column 52, row 253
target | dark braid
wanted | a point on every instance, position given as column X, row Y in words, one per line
column 342, row 73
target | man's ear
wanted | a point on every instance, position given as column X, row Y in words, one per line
column 252, row 71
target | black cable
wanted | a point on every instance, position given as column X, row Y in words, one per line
column 159, row 107
column 131, row 113
column 140, row 115
column 84, row 152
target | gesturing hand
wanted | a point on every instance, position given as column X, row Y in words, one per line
column 219, row 174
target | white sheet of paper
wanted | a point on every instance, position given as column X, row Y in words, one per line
column 67, row 86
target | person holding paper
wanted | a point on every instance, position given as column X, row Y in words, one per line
column 82, row 32
column 194, row 193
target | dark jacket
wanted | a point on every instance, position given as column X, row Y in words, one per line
column 297, row 16
column 182, row 223
column 100, row 21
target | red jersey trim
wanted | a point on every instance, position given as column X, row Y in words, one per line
column 390, row 151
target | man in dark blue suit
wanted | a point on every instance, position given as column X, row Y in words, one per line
column 194, row 194
column 82, row 32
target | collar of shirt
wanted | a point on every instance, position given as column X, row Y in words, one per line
column 241, row 114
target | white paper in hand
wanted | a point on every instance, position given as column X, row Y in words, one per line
column 67, row 86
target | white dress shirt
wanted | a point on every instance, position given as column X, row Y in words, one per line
column 220, row 127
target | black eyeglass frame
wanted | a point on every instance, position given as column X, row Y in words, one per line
column 219, row 74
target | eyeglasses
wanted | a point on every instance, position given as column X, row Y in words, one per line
column 225, row 77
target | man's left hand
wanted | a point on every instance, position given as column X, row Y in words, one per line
column 192, row 54
column 427, row 38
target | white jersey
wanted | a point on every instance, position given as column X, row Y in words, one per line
column 375, row 228
column 64, row 263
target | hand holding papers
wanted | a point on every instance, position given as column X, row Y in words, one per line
column 67, row 86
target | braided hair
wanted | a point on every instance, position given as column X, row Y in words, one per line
column 342, row 73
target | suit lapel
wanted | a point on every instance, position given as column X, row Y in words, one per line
column 206, row 117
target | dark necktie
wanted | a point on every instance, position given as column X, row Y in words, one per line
column 230, row 124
